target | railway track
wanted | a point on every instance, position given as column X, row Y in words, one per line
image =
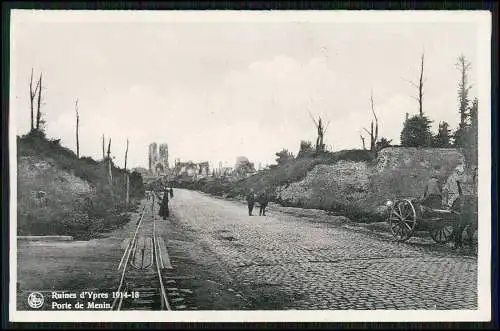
column 142, row 285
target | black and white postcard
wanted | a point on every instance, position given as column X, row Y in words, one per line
column 250, row 166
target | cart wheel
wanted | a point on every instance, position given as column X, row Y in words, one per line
column 402, row 220
column 443, row 234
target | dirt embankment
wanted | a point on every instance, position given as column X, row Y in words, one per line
column 47, row 196
column 361, row 188
column 352, row 183
column 59, row 193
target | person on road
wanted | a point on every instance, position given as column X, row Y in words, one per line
column 250, row 201
column 171, row 191
column 164, row 210
column 433, row 195
column 451, row 190
column 460, row 191
column 263, row 201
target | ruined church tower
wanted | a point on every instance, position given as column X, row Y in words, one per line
column 153, row 157
column 163, row 155
column 158, row 159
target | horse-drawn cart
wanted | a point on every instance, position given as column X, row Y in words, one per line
column 409, row 215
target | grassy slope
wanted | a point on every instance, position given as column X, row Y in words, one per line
column 72, row 207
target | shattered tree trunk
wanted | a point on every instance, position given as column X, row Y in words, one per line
column 374, row 136
column 363, row 141
column 110, row 173
column 38, row 114
column 372, row 140
column 103, row 149
column 77, row 126
column 463, row 88
column 420, row 88
column 32, row 100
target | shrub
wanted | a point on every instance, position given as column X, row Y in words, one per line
column 416, row 132
column 443, row 137
column 306, row 149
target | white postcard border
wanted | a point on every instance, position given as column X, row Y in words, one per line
column 483, row 313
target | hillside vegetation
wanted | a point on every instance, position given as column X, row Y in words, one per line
column 352, row 183
column 60, row 194
column 278, row 178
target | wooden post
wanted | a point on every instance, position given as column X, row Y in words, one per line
column 126, row 153
column 110, row 173
column 127, row 193
column 126, row 177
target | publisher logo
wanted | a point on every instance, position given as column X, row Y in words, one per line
column 35, row 300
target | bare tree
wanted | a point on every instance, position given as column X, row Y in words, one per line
column 370, row 133
column 373, row 133
column 39, row 114
column 420, row 87
column 126, row 153
column 463, row 88
column 103, row 149
column 362, row 140
column 110, row 174
column 375, row 137
column 77, row 126
column 32, row 98
column 320, row 146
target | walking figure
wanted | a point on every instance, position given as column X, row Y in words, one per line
column 250, row 201
column 171, row 191
column 164, row 210
column 263, row 201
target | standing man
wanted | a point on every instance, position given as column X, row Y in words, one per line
column 451, row 189
column 250, row 201
column 433, row 196
column 452, row 192
column 459, row 189
column 171, row 192
column 263, row 201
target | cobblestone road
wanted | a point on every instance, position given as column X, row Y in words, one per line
column 286, row 262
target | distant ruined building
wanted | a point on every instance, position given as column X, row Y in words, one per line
column 191, row 169
column 243, row 167
column 158, row 159
column 221, row 171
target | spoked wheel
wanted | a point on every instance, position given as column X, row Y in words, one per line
column 402, row 220
column 442, row 234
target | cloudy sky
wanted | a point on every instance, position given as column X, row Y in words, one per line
column 216, row 89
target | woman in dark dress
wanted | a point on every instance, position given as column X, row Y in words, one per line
column 164, row 211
